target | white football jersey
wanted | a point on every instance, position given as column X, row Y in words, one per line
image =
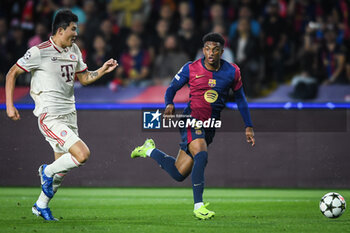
column 53, row 70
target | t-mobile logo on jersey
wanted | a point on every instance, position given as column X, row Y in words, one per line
column 67, row 72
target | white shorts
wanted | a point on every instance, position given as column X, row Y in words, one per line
column 61, row 131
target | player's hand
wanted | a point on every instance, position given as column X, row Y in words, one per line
column 169, row 110
column 13, row 113
column 249, row 133
column 110, row 65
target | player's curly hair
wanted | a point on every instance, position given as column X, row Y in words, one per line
column 62, row 19
column 215, row 37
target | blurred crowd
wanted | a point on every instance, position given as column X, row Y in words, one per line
column 273, row 41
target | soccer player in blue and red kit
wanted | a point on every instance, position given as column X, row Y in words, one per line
column 210, row 80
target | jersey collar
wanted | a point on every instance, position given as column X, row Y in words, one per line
column 58, row 48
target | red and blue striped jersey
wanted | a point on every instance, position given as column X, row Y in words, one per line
column 208, row 89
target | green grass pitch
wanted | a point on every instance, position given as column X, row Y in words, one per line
column 169, row 210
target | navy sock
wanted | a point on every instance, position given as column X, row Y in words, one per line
column 200, row 161
column 167, row 163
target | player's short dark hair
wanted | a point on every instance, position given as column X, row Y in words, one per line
column 62, row 19
column 215, row 37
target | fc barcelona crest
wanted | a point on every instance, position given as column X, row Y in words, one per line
column 198, row 131
column 212, row 83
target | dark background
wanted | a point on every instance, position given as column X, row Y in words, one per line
column 294, row 148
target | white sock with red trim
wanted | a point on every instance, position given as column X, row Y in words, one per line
column 63, row 164
column 57, row 180
column 43, row 201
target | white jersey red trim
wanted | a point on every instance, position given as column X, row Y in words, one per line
column 53, row 70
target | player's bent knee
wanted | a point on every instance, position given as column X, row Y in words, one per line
column 180, row 177
column 184, row 170
column 80, row 152
column 184, row 167
column 83, row 155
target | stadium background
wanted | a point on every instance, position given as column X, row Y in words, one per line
column 296, row 80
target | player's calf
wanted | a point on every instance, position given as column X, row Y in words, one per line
column 57, row 180
column 166, row 162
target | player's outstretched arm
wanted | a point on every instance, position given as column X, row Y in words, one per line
column 11, row 77
column 89, row 77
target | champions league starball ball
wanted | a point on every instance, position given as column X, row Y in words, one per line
column 332, row 205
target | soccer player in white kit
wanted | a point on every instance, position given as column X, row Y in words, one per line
column 53, row 65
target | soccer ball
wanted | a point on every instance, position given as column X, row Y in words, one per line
column 332, row 205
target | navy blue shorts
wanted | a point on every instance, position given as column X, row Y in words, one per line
column 190, row 134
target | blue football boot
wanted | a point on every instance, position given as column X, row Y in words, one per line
column 46, row 182
column 44, row 213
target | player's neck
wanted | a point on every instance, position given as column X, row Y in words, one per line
column 213, row 67
column 57, row 41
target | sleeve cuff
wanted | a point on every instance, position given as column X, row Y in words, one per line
column 167, row 103
column 81, row 70
column 21, row 67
